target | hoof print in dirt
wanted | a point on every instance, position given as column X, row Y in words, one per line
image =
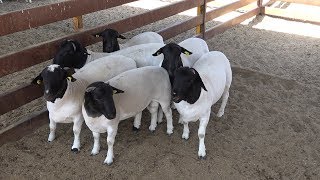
column 75, row 150
column 135, row 129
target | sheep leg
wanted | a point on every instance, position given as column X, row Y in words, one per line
column 160, row 115
column 225, row 97
column 201, row 134
column 76, row 131
column 153, row 108
column 185, row 134
column 52, row 126
column 180, row 120
column 168, row 113
column 137, row 121
column 96, row 143
column 112, row 132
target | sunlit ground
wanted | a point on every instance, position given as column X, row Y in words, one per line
column 267, row 23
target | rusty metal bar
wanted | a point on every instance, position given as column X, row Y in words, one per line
column 228, row 24
column 26, row 126
column 18, row 97
column 30, row 18
column 22, row 59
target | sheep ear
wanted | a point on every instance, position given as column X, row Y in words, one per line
column 186, row 52
column 72, row 79
column 70, row 71
column 158, row 52
column 198, row 78
column 121, row 37
column 37, row 80
column 116, row 91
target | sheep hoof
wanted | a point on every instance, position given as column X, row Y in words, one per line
column 135, row 129
column 75, row 150
column 202, row 157
column 108, row 163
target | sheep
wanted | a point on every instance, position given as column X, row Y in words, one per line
column 196, row 89
column 186, row 53
column 72, row 54
column 104, row 107
column 110, row 39
column 64, row 92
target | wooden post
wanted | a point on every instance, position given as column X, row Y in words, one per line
column 262, row 9
column 78, row 23
column 201, row 10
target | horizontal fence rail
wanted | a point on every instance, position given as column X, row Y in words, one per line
column 293, row 15
column 228, row 24
column 23, row 127
column 38, row 16
column 22, row 59
column 306, row 2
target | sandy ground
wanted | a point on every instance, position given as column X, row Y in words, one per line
column 270, row 129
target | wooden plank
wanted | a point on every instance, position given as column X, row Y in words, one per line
column 24, row 127
column 228, row 24
column 293, row 15
column 24, row 58
column 18, row 97
column 176, row 29
column 306, row 2
column 226, row 9
column 30, row 18
column 77, row 23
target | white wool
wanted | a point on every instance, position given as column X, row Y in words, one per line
column 143, row 38
column 197, row 46
column 141, row 54
column 215, row 72
column 68, row 108
column 143, row 87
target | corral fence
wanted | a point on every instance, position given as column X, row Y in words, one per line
column 29, row 18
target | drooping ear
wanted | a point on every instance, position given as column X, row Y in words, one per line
column 73, row 45
column 37, row 80
column 186, row 52
column 158, row 52
column 121, row 37
column 70, row 71
column 115, row 90
column 198, row 79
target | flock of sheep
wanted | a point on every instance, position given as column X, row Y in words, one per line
column 102, row 89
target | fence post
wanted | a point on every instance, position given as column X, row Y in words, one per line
column 262, row 8
column 201, row 10
column 77, row 23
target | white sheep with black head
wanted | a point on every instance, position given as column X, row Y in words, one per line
column 197, row 89
column 126, row 95
column 64, row 92
column 111, row 44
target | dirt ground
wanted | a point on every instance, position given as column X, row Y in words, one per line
column 270, row 129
